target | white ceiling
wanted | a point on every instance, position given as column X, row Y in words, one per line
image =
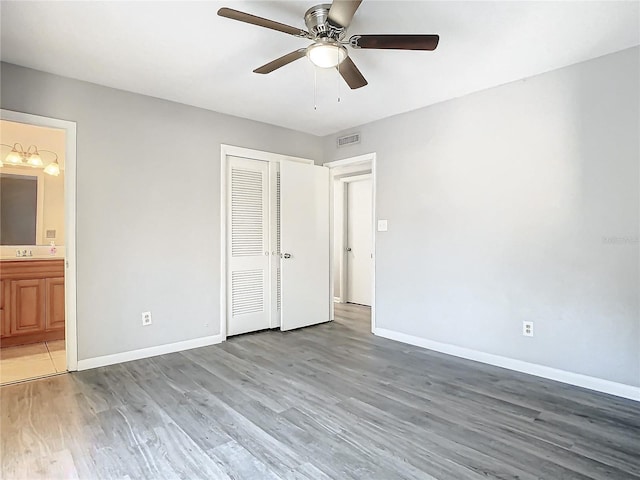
column 183, row 51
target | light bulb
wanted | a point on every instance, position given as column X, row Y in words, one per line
column 52, row 169
column 34, row 160
column 326, row 55
column 14, row 158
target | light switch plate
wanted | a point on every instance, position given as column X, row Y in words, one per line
column 382, row 225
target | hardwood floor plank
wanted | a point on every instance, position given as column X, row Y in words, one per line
column 58, row 465
column 237, row 462
column 266, row 448
column 306, row 471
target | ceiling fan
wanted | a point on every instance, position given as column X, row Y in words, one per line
column 327, row 25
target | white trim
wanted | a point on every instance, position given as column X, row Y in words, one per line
column 251, row 154
column 356, row 178
column 577, row 379
column 366, row 159
column 148, row 352
column 234, row 151
column 71, row 330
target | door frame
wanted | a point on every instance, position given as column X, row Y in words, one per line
column 360, row 160
column 227, row 151
column 70, row 280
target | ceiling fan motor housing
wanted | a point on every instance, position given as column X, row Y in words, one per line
column 318, row 24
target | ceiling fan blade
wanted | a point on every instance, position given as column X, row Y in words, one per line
column 342, row 11
column 395, row 42
column 282, row 61
column 351, row 74
column 262, row 22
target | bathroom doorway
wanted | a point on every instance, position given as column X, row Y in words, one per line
column 37, row 247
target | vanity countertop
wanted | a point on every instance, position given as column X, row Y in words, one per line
column 26, row 259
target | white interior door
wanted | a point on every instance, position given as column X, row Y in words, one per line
column 359, row 242
column 304, row 231
column 248, row 252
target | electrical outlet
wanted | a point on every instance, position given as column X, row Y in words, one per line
column 146, row 318
column 527, row 329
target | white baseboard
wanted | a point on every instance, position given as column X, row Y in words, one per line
column 577, row 379
column 147, row 352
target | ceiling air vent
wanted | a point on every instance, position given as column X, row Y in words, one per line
column 351, row 139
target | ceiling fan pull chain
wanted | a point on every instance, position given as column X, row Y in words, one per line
column 338, row 79
column 315, row 88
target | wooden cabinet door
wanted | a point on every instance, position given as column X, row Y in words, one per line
column 5, row 327
column 55, row 303
column 27, row 306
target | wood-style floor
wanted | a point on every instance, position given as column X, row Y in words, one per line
column 330, row 401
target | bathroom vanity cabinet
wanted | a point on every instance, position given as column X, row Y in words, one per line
column 31, row 301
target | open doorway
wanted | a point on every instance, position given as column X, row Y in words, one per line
column 353, row 241
column 358, row 237
column 37, row 244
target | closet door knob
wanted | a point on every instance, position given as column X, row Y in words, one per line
column 287, row 255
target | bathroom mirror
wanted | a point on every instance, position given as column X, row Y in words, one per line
column 19, row 219
column 31, row 208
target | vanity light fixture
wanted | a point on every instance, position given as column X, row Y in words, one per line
column 19, row 157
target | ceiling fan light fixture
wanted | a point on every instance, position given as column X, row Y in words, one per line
column 326, row 55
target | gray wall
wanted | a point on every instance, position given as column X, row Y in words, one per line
column 516, row 203
column 148, row 205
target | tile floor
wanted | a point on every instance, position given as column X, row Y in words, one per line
column 32, row 361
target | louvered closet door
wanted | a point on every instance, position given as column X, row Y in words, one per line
column 276, row 277
column 248, row 257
